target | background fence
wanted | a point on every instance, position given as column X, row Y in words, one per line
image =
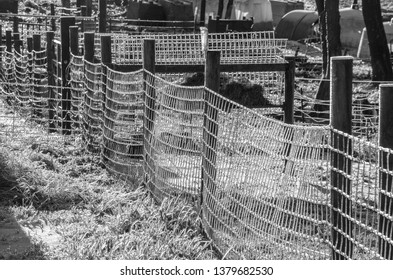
column 266, row 189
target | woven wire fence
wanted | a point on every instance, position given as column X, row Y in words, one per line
column 187, row 48
column 264, row 188
column 365, row 108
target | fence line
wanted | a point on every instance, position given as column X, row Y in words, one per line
column 264, row 187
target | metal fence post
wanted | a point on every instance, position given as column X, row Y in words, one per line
column 341, row 120
column 385, row 225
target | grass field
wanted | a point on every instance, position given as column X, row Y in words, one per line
column 57, row 202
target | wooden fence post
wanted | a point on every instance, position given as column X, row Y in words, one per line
column 210, row 127
column 74, row 40
column 385, row 226
column 102, row 16
column 53, row 13
column 17, row 43
column 289, row 90
column 106, row 59
column 341, row 120
column 83, row 22
column 149, row 64
column 74, row 48
column 1, row 35
column 65, row 23
column 89, row 4
column 89, row 46
column 37, row 62
column 16, row 25
column 8, row 40
column 50, row 35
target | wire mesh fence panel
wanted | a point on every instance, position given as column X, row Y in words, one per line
column 265, row 188
column 364, row 219
column 173, row 132
column 77, row 84
column 123, row 122
column 247, row 47
column 93, row 106
column 365, row 107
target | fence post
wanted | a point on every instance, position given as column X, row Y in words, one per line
column 102, row 16
column 65, row 23
column 50, row 35
column 8, row 40
column 385, row 226
column 289, row 90
column 16, row 25
column 17, row 42
column 341, row 120
column 210, row 127
column 74, row 40
column 53, row 20
column 36, row 63
column 106, row 60
column 89, row 4
column 89, row 46
column 83, row 14
column 149, row 62
column 1, row 35
column 74, row 48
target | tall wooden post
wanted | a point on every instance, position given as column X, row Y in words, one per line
column 210, row 128
column 17, row 42
column 1, row 35
column 149, row 64
column 16, row 25
column 385, row 226
column 89, row 4
column 289, row 90
column 83, row 14
column 102, row 16
column 50, row 35
column 341, row 120
column 37, row 62
column 74, row 40
column 53, row 20
column 106, row 59
column 8, row 40
column 65, row 23
column 74, row 48
column 89, row 46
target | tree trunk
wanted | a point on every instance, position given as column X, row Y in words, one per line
column 229, row 9
column 220, row 8
column 379, row 50
column 331, row 15
column 322, row 27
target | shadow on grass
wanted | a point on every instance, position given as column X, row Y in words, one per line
column 14, row 243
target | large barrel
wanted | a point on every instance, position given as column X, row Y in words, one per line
column 281, row 7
